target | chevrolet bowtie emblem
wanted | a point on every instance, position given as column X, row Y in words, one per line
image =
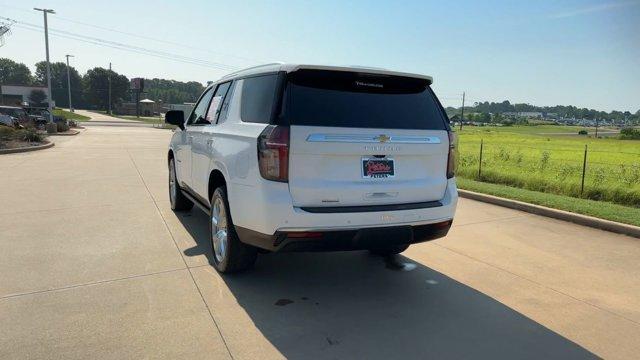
column 382, row 138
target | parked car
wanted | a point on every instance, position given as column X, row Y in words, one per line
column 6, row 120
column 296, row 158
column 17, row 113
column 40, row 116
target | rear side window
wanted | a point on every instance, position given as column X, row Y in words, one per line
column 258, row 97
column 359, row 100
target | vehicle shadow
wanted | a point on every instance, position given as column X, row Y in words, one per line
column 354, row 305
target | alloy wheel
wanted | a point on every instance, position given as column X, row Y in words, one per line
column 219, row 230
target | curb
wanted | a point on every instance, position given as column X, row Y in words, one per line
column 585, row 220
column 65, row 134
column 27, row 148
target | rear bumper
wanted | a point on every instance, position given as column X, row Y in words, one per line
column 342, row 240
column 268, row 209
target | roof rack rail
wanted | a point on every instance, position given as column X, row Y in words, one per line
column 366, row 67
column 252, row 67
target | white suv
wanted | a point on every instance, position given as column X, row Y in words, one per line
column 301, row 158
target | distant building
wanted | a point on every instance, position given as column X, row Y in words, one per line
column 527, row 114
column 17, row 95
column 148, row 107
column 184, row 107
column 530, row 114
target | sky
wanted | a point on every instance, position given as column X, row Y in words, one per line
column 582, row 53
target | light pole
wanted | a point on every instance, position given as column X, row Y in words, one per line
column 462, row 112
column 46, row 45
column 109, row 89
column 69, row 83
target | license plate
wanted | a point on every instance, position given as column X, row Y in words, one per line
column 378, row 168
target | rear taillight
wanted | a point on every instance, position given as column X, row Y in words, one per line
column 452, row 160
column 273, row 153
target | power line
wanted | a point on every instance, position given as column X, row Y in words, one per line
column 142, row 36
column 99, row 41
column 130, row 48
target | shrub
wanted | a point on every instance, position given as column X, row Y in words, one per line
column 629, row 134
column 6, row 133
column 30, row 135
column 583, row 132
column 62, row 127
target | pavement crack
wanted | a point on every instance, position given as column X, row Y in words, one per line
column 175, row 243
column 99, row 282
column 492, row 220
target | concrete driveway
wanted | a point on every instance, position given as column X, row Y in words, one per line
column 94, row 264
column 99, row 119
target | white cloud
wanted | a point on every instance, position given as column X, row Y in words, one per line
column 593, row 9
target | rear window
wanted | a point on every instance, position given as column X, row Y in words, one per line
column 258, row 95
column 352, row 99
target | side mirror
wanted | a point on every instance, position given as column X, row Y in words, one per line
column 175, row 117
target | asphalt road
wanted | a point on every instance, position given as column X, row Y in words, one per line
column 94, row 264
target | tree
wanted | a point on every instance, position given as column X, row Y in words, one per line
column 13, row 73
column 95, row 84
column 59, row 90
column 37, row 97
column 171, row 91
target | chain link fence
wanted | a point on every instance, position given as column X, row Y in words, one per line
column 586, row 172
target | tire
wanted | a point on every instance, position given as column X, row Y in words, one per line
column 229, row 253
column 391, row 250
column 179, row 202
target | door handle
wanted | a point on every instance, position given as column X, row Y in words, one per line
column 210, row 142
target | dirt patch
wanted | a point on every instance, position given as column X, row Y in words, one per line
column 15, row 144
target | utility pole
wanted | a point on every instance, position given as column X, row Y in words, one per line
column 596, row 126
column 462, row 113
column 109, row 89
column 46, row 45
column 69, row 83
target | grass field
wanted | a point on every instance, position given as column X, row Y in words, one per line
column 69, row 115
column 550, row 159
column 148, row 119
column 600, row 209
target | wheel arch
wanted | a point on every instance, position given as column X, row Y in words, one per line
column 216, row 179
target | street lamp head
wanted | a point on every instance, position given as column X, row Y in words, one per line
column 50, row 11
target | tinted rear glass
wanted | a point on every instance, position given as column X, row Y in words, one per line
column 258, row 94
column 351, row 99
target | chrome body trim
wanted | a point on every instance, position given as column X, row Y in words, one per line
column 343, row 228
column 374, row 139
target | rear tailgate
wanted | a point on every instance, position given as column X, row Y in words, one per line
column 359, row 139
column 328, row 166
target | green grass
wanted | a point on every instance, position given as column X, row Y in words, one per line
column 600, row 209
column 69, row 115
column 146, row 119
column 551, row 130
column 527, row 157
